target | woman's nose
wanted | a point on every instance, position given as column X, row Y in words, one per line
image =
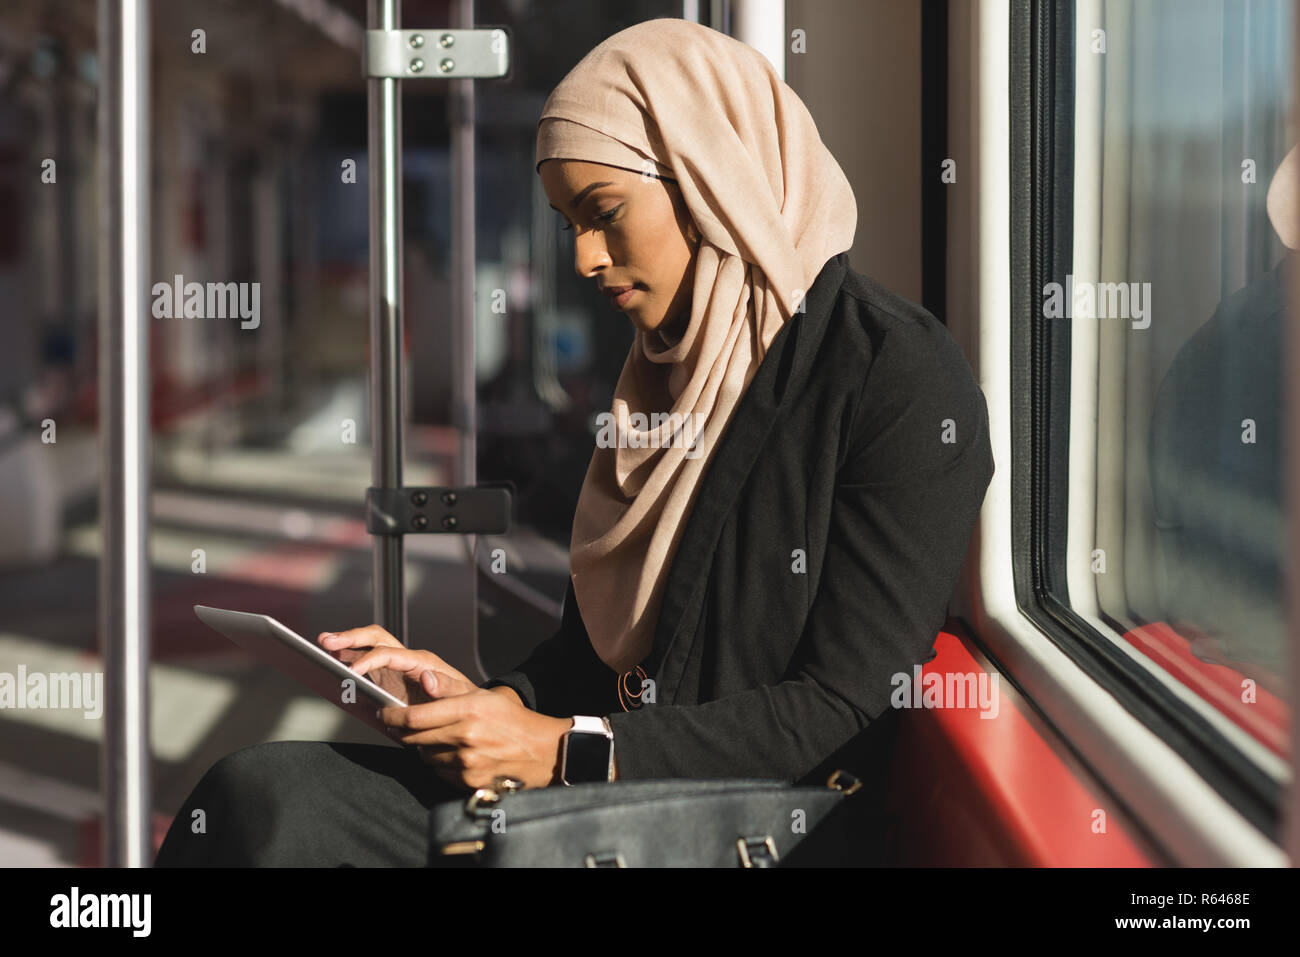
column 589, row 252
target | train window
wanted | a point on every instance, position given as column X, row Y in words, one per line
column 1158, row 204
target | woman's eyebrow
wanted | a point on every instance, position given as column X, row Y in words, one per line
column 573, row 203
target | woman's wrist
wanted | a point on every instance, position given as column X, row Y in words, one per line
column 553, row 744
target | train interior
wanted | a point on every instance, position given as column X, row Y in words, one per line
column 1097, row 197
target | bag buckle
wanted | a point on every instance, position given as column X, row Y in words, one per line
column 842, row 780
column 757, row 851
column 604, row 859
column 463, row 847
column 483, row 800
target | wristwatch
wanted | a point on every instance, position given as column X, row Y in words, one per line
column 587, row 754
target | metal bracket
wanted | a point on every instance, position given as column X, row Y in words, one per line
column 478, row 510
column 436, row 54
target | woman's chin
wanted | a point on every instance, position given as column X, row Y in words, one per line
column 671, row 330
column 675, row 329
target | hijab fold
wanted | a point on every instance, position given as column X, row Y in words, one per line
column 678, row 99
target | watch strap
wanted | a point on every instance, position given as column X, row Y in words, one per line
column 583, row 722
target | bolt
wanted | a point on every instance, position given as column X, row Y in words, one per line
column 447, row 65
column 421, row 522
column 446, row 40
column 419, row 499
column 416, row 41
column 449, row 522
column 417, row 65
column 449, row 499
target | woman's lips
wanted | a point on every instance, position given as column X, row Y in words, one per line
column 619, row 300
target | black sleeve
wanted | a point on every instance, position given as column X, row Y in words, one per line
column 908, row 491
column 563, row 676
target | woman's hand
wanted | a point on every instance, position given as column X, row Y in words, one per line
column 391, row 665
column 470, row 735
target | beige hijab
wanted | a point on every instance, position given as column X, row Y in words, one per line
column 678, row 99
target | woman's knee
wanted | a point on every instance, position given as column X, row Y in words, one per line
column 309, row 802
column 261, row 768
column 238, row 804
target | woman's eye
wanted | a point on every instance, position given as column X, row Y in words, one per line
column 604, row 217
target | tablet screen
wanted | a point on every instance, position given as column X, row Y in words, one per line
column 310, row 665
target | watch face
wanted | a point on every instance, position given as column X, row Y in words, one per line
column 586, row 757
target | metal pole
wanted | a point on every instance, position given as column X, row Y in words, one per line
column 385, row 151
column 761, row 24
column 464, row 381
column 124, row 480
column 720, row 16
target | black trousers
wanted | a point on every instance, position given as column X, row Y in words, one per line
column 308, row 804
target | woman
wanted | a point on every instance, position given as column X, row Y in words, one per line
column 766, row 536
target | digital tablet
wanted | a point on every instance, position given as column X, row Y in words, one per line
column 304, row 661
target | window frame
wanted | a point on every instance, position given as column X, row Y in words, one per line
column 1041, row 122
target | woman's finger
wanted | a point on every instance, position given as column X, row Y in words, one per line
column 439, row 684
column 399, row 659
column 444, row 760
column 441, row 739
column 367, row 636
column 430, row 715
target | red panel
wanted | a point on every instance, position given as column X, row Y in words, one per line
column 1266, row 719
column 998, row 791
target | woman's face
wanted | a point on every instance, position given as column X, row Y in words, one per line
column 628, row 231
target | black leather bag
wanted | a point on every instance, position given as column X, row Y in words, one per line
column 657, row 823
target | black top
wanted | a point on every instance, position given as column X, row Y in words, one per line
column 817, row 560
